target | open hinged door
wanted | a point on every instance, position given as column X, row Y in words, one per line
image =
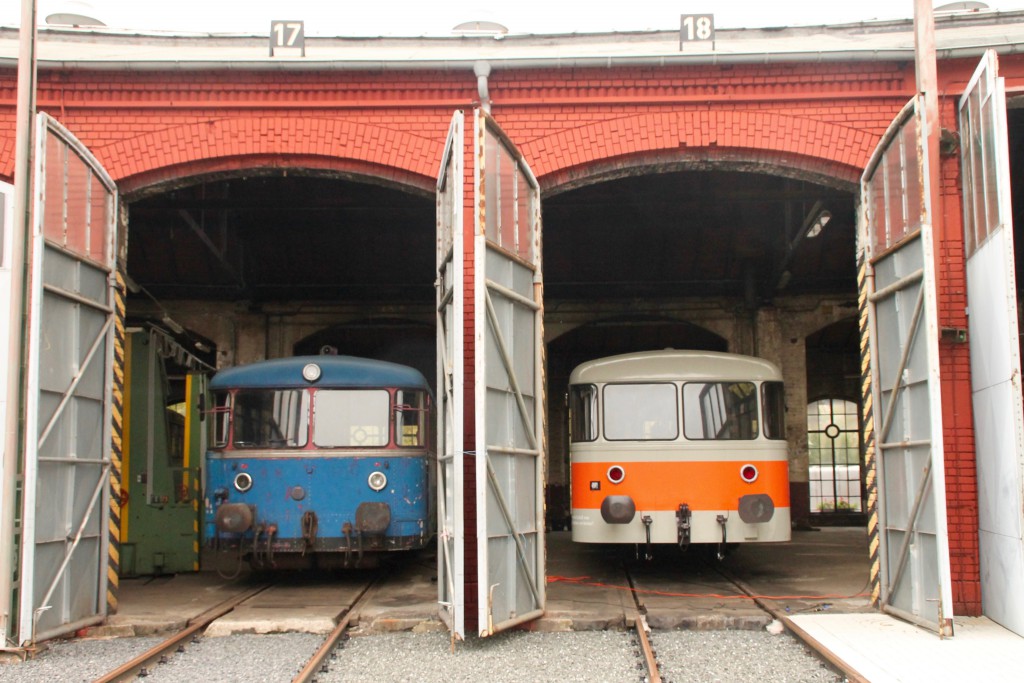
column 490, row 383
column 995, row 351
column 8, row 462
column 509, row 383
column 896, row 250
column 450, row 395
column 70, row 338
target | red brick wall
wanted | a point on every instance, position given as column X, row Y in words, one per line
column 572, row 125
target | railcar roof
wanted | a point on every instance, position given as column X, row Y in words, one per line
column 672, row 364
column 349, row 371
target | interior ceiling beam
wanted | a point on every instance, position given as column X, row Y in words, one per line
column 196, row 228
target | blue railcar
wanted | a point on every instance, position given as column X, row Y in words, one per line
column 319, row 461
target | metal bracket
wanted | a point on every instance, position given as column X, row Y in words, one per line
column 721, row 519
column 683, row 520
column 646, row 519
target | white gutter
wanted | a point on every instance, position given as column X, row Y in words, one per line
column 961, row 36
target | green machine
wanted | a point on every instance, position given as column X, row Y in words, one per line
column 162, row 455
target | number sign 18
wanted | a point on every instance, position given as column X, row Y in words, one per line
column 697, row 27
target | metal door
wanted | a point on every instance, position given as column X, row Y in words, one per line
column 450, row 377
column 68, row 400
column 509, row 383
column 8, row 461
column 895, row 241
column 995, row 351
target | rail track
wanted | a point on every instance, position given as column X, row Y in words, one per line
column 181, row 642
column 140, row 665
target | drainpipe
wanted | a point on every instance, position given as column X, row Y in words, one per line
column 482, row 70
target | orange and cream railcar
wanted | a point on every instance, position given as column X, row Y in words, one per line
column 678, row 447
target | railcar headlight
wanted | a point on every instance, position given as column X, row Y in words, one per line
column 377, row 480
column 616, row 474
column 243, row 482
column 748, row 473
column 311, row 372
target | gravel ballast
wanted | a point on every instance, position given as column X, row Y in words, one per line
column 517, row 656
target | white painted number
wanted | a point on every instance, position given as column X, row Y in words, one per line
column 286, row 33
column 698, row 27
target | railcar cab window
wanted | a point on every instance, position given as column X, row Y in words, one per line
column 350, row 418
column 411, row 418
column 641, row 412
column 583, row 412
column 270, row 418
column 774, row 401
column 221, row 422
column 720, row 410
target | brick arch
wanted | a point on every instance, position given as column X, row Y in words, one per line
column 281, row 141
column 826, row 152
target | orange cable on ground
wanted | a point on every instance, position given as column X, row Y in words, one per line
column 583, row 581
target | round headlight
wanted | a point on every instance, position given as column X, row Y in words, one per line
column 748, row 473
column 243, row 481
column 377, row 481
column 311, row 372
column 616, row 474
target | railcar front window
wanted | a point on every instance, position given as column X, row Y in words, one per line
column 350, row 418
column 220, row 422
column 641, row 412
column 583, row 412
column 720, row 410
column 774, row 402
column 411, row 418
column 271, row 419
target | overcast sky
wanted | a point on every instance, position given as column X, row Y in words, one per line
column 420, row 17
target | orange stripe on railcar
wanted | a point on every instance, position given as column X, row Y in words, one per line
column 664, row 485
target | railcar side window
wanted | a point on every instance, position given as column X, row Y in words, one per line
column 641, row 412
column 221, row 422
column 271, row 419
column 583, row 412
column 720, row 410
column 411, row 417
column 350, row 418
column 774, row 402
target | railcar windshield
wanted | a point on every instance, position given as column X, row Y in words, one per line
column 641, row 412
column 720, row 410
column 350, row 417
column 265, row 418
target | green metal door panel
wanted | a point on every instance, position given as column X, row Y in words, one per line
column 158, row 520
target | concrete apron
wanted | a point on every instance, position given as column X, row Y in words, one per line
column 587, row 589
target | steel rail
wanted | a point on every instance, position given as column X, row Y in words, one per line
column 640, row 623
column 316, row 663
column 129, row 670
column 850, row 674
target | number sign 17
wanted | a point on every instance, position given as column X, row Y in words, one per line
column 287, row 34
column 697, row 27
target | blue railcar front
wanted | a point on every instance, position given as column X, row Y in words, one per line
column 322, row 460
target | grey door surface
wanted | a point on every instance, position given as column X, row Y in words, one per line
column 995, row 349
column 896, row 243
column 67, row 460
